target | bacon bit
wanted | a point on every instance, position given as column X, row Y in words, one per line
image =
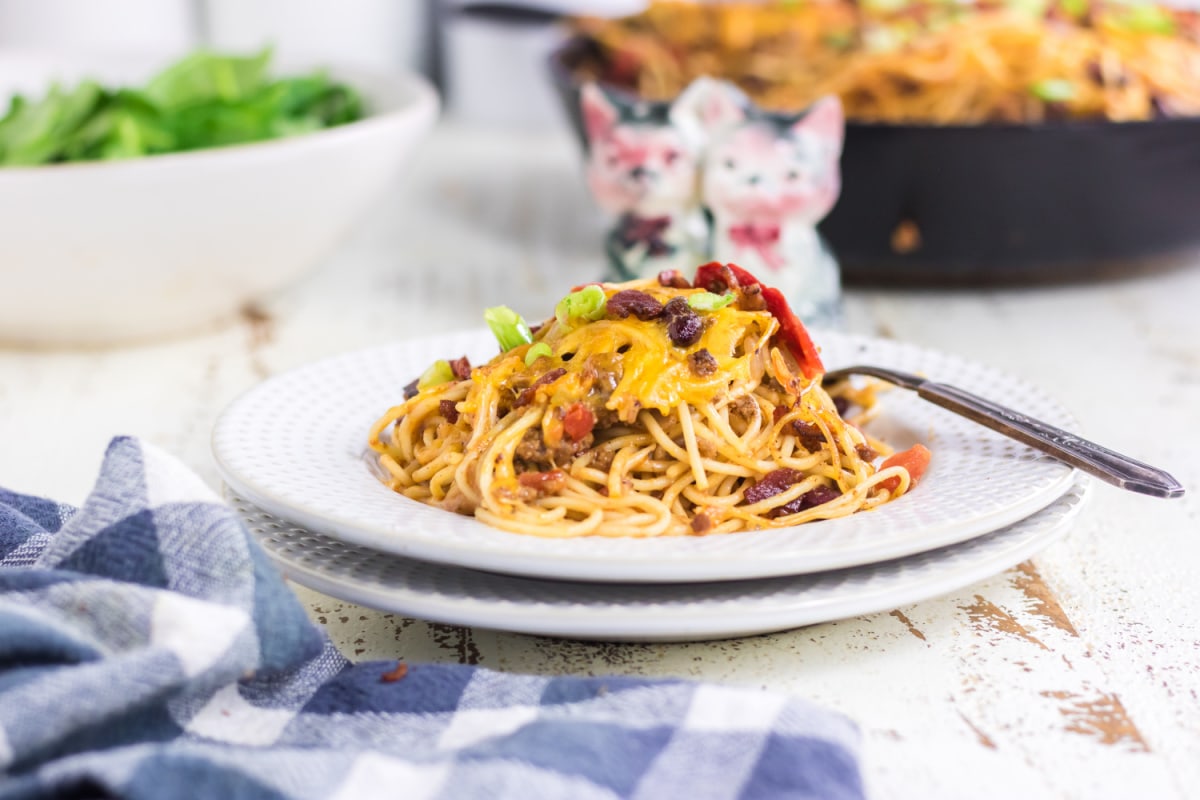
column 578, row 421
column 551, row 482
column 396, row 674
column 751, row 299
column 810, row 499
column 526, row 396
column 841, row 405
column 674, row 279
column 809, row 434
column 772, row 484
column 631, row 301
column 448, row 411
column 702, row 363
column 779, row 413
column 701, row 523
column 915, row 460
column 461, row 368
column 410, row 390
column 866, row 452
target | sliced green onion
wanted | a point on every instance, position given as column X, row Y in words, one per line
column 1053, row 90
column 1147, row 19
column 508, row 327
column 535, row 352
column 1076, row 8
column 437, row 374
column 707, row 301
column 589, row 303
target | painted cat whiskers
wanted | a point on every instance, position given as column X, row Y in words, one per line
column 643, row 167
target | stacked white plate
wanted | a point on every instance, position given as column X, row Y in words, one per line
column 293, row 454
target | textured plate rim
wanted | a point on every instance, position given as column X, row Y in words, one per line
column 501, row 553
column 1003, row 549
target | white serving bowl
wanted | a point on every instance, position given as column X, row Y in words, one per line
column 109, row 252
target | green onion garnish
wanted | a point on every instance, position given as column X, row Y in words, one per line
column 437, row 374
column 508, row 327
column 707, row 301
column 1053, row 90
column 589, row 303
column 535, row 352
column 1147, row 19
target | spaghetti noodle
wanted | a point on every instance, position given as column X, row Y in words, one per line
column 915, row 61
column 648, row 408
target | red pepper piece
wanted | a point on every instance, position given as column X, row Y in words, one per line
column 915, row 459
column 791, row 330
column 578, row 421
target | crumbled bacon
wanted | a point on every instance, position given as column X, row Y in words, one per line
column 410, row 390
column 772, row 484
column 702, row 362
column 631, row 301
column 750, row 298
column 866, row 452
column 549, row 482
column 578, row 421
column 461, row 368
column 449, row 412
column 810, row 499
column 674, row 279
column 808, row 434
column 526, row 396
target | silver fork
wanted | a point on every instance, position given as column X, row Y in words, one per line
column 1090, row 457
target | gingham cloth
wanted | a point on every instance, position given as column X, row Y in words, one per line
column 149, row 650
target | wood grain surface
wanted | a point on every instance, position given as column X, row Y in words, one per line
column 1076, row 675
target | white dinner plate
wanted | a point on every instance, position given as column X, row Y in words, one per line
column 645, row 612
column 295, row 446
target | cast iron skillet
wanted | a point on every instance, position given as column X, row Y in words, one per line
column 1000, row 204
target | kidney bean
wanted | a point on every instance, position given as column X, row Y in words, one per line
column 685, row 329
column 578, row 421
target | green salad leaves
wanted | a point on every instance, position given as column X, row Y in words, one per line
column 204, row 100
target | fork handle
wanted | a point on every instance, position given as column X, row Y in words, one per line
column 1088, row 456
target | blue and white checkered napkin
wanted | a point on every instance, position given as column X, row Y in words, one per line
column 149, row 650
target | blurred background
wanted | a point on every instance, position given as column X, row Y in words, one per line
column 487, row 58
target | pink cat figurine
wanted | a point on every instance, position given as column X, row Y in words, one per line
column 642, row 167
column 768, row 180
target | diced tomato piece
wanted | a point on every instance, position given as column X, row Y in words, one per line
column 578, row 421
column 915, row 459
column 791, row 330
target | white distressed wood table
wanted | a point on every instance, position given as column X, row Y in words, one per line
column 1074, row 675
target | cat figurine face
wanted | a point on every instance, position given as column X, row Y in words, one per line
column 638, row 161
column 774, row 170
column 768, row 179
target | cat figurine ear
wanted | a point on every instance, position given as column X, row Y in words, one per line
column 643, row 168
column 768, row 179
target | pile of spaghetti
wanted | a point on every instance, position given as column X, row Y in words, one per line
column 647, row 408
column 914, row 61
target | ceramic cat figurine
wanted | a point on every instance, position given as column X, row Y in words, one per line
column 768, row 179
column 643, row 167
